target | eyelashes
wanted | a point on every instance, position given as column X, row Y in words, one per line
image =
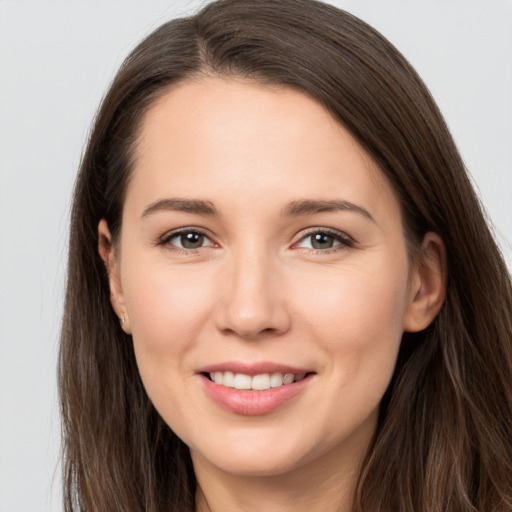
column 318, row 241
column 324, row 240
column 188, row 239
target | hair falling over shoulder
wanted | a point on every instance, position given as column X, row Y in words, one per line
column 444, row 439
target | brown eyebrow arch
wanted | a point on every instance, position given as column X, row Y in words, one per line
column 309, row 207
column 181, row 205
column 293, row 209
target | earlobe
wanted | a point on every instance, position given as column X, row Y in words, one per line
column 427, row 285
column 106, row 251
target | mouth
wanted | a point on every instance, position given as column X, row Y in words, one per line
column 254, row 389
column 258, row 382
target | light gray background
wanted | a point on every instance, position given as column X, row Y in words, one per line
column 56, row 59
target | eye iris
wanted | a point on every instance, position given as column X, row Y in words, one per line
column 192, row 240
column 322, row 241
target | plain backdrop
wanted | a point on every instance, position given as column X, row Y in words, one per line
column 56, row 60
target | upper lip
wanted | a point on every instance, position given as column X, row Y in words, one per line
column 252, row 368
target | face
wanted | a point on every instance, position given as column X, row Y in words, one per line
column 260, row 248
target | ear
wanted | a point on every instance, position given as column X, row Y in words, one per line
column 106, row 250
column 427, row 285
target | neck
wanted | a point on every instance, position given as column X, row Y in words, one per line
column 264, row 495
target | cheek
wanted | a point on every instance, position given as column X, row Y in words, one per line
column 167, row 307
column 357, row 312
column 355, row 317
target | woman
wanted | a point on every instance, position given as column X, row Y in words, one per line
column 282, row 290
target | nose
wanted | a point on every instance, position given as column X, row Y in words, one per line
column 252, row 301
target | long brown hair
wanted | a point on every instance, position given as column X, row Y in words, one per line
column 444, row 440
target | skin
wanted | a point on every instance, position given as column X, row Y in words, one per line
column 257, row 289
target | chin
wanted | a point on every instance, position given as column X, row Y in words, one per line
column 256, row 466
column 258, row 455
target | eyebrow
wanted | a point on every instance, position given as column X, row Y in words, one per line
column 309, row 207
column 292, row 209
column 196, row 206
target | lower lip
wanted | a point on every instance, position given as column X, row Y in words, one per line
column 253, row 402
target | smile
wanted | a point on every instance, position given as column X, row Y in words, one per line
column 258, row 382
column 254, row 389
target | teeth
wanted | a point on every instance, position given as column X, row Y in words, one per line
column 258, row 382
column 228, row 379
column 261, row 381
column 288, row 378
column 276, row 380
column 242, row 381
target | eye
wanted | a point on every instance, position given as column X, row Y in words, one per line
column 188, row 239
column 323, row 240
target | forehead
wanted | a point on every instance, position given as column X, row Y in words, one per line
column 230, row 137
column 216, row 112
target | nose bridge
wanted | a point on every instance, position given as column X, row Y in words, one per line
column 253, row 301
